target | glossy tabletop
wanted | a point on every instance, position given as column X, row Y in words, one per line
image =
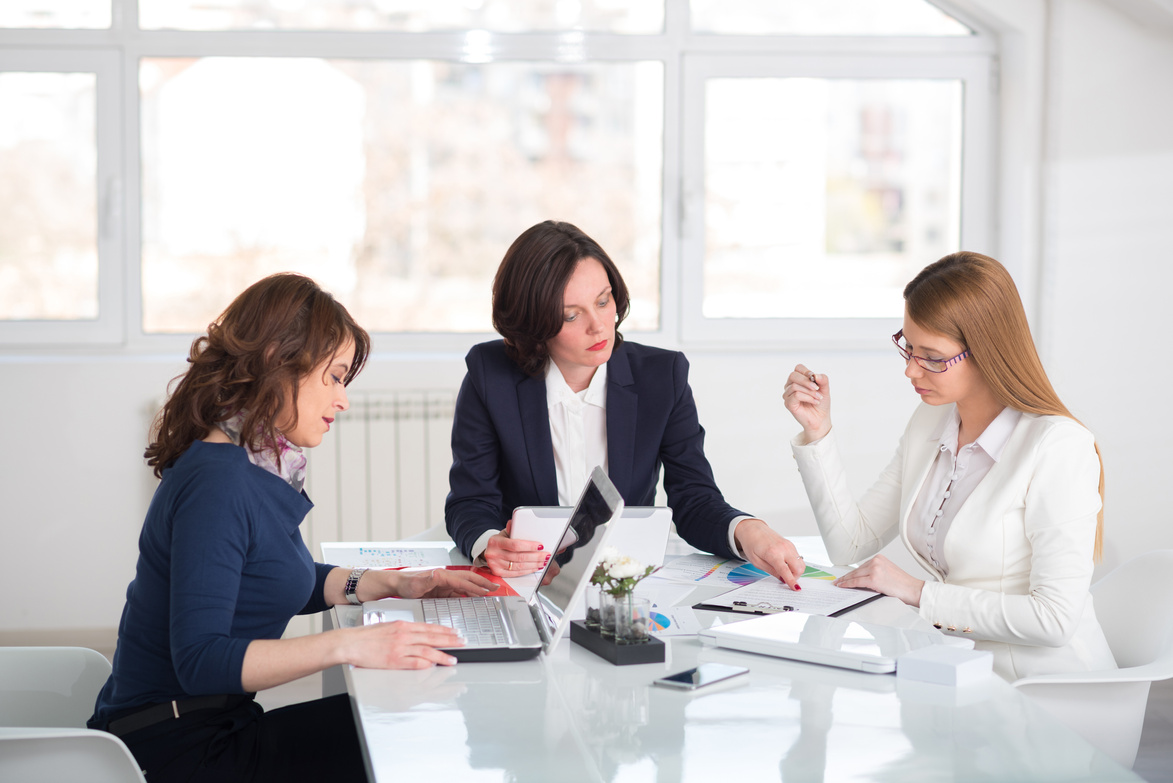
column 571, row 716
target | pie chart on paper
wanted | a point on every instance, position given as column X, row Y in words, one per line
column 746, row 574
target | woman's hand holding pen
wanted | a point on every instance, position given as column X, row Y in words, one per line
column 808, row 398
column 507, row 556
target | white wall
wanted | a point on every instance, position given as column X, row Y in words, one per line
column 1087, row 103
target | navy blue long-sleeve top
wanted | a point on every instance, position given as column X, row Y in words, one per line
column 221, row 563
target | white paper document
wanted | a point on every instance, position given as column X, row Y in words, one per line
column 768, row 596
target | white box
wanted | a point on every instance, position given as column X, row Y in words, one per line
column 945, row 665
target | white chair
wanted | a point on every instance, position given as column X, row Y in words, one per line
column 50, row 686
column 55, row 755
column 1134, row 604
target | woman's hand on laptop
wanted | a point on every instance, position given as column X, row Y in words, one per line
column 442, row 583
column 507, row 556
column 399, row 645
column 376, row 583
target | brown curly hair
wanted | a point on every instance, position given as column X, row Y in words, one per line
column 252, row 359
column 528, row 289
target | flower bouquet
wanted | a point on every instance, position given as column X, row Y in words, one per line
column 622, row 616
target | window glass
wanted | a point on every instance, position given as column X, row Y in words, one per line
column 397, row 185
column 48, row 234
column 617, row 16
column 823, row 197
column 55, row 13
column 823, row 17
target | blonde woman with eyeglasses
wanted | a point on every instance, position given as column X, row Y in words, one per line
column 995, row 488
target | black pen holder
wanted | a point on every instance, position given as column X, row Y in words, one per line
column 651, row 651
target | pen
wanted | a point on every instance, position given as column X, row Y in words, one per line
column 811, row 375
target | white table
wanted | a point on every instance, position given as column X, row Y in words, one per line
column 571, row 716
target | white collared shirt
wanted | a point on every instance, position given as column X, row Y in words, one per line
column 578, row 430
column 953, row 477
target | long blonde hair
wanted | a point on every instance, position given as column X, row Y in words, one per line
column 972, row 300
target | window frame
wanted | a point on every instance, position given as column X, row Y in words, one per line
column 891, row 60
column 679, row 49
column 108, row 327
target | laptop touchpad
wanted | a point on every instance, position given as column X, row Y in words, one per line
column 388, row 616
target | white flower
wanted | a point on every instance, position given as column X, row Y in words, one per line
column 610, row 556
column 625, row 568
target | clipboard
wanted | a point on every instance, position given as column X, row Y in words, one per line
column 744, row 607
column 769, row 596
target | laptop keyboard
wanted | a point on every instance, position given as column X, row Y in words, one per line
column 476, row 619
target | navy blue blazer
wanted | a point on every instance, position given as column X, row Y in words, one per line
column 503, row 457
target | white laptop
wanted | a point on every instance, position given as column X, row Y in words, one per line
column 515, row 628
column 832, row 641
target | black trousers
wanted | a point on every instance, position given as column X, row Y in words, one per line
column 314, row 741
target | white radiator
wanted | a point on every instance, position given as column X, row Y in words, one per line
column 381, row 473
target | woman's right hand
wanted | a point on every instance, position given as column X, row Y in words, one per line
column 400, row 645
column 507, row 556
column 808, row 398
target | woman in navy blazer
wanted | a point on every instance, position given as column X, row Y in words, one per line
column 557, row 301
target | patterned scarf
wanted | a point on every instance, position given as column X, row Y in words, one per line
column 286, row 461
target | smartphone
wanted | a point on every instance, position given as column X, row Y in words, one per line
column 705, row 674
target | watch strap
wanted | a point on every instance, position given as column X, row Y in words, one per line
column 352, row 585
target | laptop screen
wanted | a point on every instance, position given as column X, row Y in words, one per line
column 598, row 504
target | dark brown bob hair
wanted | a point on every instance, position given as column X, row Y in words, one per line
column 253, row 359
column 528, row 289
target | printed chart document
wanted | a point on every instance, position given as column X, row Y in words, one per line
column 709, row 570
column 769, row 596
column 390, row 554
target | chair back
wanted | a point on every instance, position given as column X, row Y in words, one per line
column 1134, row 604
column 50, row 686
column 66, row 756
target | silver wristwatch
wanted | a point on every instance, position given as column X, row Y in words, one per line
column 352, row 585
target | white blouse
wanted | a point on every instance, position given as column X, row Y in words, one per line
column 953, row 476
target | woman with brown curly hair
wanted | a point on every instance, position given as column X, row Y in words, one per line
column 563, row 392
column 222, row 565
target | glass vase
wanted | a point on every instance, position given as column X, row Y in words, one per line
column 594, row 595
column 633, row 619
column 606, row 615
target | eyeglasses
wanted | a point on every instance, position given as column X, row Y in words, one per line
column 932, row 365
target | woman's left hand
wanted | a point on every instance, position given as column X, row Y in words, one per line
column 433, row 583
column 883, row 576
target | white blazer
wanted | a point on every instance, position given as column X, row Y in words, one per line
column 1019, row 549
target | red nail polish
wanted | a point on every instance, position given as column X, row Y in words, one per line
column 797, row 586
column 540, row 547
